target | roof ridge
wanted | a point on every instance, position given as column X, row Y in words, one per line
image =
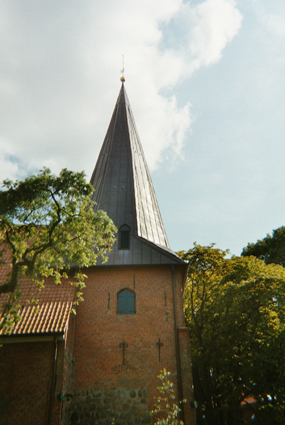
column 123, row 185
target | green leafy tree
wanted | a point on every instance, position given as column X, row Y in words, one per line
column 235, row 312
column 271, row 249
column 47, row 227
column 164, row 406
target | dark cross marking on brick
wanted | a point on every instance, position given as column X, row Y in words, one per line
column 159, row 345
column 123, row 345
column 165, row 297
column 109, row 297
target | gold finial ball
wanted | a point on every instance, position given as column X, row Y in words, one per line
column 123, row 79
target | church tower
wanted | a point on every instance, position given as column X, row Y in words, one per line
column 130, row 325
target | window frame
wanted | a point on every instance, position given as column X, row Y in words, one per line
column 121, row 310
column 126, row 229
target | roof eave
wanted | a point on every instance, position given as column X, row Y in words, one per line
column 44, row 337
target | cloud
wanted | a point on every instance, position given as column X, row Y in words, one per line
column 273, row 21
column 214, row 24
column 206, row 29
column 59, row 74
column 9, row 163
column 200, row 33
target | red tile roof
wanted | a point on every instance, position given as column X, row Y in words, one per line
column 46, row 317
column 50, row 312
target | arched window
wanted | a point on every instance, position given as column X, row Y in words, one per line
column 126, row 302
column 124, row 237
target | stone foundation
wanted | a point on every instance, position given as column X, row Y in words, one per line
column 109, row 406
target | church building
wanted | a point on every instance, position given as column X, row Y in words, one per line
column 100, row 366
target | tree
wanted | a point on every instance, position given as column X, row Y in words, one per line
column 235, row 312
column 271, row 249
column 164, row 405
column 48, row 227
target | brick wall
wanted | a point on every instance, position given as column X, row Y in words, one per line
column 26, row 370
column 99, row 331
column 104, row 388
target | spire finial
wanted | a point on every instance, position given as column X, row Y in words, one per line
column 123, row 70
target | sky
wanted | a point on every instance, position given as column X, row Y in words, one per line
column 206, row 83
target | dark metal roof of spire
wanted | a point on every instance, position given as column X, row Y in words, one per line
column 123, row 188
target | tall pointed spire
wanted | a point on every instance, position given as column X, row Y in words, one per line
column 123, row 188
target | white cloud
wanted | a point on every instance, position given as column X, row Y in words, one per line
column 273, row 20
column 212, row 25
column 59, row 72
column 9, row 165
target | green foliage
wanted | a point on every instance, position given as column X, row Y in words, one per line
column 164, row 405
column 47, row 227
column 271, row 249
column 235, row 312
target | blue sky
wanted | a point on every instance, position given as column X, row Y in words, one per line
column 206, row 84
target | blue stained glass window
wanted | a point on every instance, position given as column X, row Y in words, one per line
column 126, row 302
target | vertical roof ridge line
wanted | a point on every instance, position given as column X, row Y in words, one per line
column 147, row 183
column 124, row 189
column 102, row 167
